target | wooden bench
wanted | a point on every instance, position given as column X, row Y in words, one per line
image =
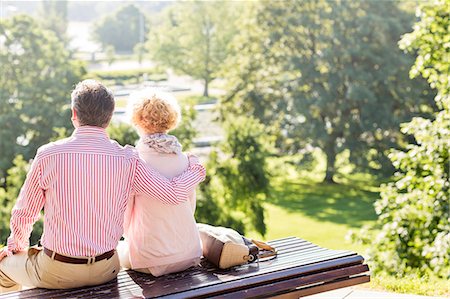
column 300, row 269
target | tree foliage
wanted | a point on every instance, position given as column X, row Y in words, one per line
column 53, row 15
column 414, row 210
column 193, row 38
column 36, row 77
column 139, row 52
column 123, row 133
column 8, row 194
column 122, row 29
column 237, row 178
column 328, row 74
column 185, row 131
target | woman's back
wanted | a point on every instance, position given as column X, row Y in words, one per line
column 160, row 234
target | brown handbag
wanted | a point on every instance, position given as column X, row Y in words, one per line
column 225, row 247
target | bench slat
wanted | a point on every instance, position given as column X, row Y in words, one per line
column 323, row 288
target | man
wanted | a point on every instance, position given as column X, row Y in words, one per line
column 82, row 183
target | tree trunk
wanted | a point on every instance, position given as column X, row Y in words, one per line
column 330, row 151
column 205, row 90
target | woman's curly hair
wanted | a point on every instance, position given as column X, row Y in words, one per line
column 154, row 112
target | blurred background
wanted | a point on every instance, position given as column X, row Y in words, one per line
column 325, row 120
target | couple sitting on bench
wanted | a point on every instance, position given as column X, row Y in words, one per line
column 93, row 191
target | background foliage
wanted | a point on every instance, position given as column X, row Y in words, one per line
column 319, row 73
column 414, row 210
column 237, row 178
column 195, row 46
column 35, row 76
column 122, row 29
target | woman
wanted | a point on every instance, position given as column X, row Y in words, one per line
column 159, row 238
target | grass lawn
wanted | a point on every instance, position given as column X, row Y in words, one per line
column 321, row 213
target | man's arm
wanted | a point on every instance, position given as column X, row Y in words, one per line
column 149, row 182
column 26, row 211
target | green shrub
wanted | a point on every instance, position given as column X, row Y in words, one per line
column 414, row 210
column 128, row 76
column 237, row 180
column 123, row 133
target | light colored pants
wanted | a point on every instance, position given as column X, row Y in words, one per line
column 156, row 271
column 33, row 268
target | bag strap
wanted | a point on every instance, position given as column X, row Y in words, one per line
column 263, row 245
column 262, row 252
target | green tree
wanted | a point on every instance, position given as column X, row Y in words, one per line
column 139, row 52
column 35, row 82
column 53, row 15
column 110, row 54
column 123, row 133
column 122, row 29
column 237, row 177
column 8, row 195
column 193, row 38
column 413, row 228
column 185, row 131
column 329, row 74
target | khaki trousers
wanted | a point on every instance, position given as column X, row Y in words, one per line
column 33, row 268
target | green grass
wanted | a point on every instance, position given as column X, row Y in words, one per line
column 321, row 213
column 428, row 286
column 122, row 102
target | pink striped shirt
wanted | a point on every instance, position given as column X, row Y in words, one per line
column 83, row 183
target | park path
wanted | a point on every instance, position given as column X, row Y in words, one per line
column 361, row 293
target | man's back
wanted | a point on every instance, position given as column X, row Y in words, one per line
column 86, row 179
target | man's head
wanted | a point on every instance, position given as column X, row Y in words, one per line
column 92, row 104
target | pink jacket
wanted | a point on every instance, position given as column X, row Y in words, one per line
column 158, row 233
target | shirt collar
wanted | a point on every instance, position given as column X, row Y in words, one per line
column 90, row 131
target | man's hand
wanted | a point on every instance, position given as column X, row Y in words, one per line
column 4, row 252
column 193, row 159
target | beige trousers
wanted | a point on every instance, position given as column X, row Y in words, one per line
column 33, row 268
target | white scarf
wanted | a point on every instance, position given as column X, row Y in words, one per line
column 162, row 143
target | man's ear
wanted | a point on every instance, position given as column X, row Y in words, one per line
column 74, row 118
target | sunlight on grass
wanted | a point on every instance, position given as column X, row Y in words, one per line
column 282, row 223
column 121, row 103
column 421, row 286
column 300, row 205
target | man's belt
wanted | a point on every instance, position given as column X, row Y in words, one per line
column 76, row 260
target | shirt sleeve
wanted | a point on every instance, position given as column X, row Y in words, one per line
column 27, row 209
column 149, row 182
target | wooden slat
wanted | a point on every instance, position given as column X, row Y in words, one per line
column 323, row 288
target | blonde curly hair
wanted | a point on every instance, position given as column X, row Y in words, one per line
column 154, row 111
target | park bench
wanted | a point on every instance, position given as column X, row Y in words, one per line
column 300, row 269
